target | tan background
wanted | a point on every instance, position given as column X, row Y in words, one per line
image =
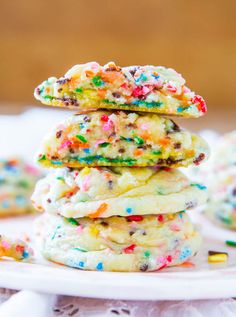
column 197, row 38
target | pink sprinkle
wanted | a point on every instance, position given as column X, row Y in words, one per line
column 6, row 244
column 31, row 169
column 108, row 125
column 144, row 126
column 79, row 229
column 65, row 144
column 174, row 227
column 85, row 183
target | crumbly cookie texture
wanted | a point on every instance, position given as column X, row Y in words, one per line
column 17, row 181
column 136, row 88
column 105, row 138
column 105, row 192
column 15, row 249
column 119, row 243
column 221, row 206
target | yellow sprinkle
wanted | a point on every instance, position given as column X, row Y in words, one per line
column 170, row 216
column 94, row 231
column 221, row 257
column 85, row 171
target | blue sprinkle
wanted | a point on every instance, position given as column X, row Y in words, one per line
column 129, row 210
column 186, row 252
column 199, row 186
column 180, row 109
column 10, row 168
column 5, row 204
column 20, row 200
column 86, row 150
column 81, row 264
column 56, row 163
column 142, row 77
column 99, row 266
column 82, row 125
column 25, row 254
column 155, row 76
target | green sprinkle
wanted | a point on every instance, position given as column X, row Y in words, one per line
column 156, row 152
column 81, row 138
column 42, row 158
column 79, row 90
column 81, row 250
column 138, row 140
column 104, row 144
column 60, row 178
column 48, row 97
column 147, row 254
column 231, row 243
column 97, row 80
column 72, row 221
column 23, row 183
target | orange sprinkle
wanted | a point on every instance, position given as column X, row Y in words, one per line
column 99, row 211
column 89, row 73
column 138, row 152
column 164, row 141
column 187, row 264
column 101, row 93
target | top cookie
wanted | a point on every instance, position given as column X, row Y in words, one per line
column 137, row 88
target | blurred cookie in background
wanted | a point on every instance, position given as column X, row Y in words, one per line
column 17, row 180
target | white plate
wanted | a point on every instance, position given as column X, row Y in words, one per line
column 201, row 282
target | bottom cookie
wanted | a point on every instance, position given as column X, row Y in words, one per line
column 134, row 243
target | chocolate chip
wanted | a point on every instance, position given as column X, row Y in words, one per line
column 198, row 159
column 49, row 200
column 72, row 151
column 59, row 90
column 174, row 128
column 234, row 192
column 144, row 233
column 125, row 311
column 177, row 145
column 54, row 157
column 58, row 134
column 131, row 233
column 143, row 267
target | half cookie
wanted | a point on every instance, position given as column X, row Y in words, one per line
column 17, row 180
column 119, row 244
column 105, row 192
column 119, row 138
column 142, row 88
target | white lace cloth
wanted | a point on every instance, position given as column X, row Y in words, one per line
column 31, row 304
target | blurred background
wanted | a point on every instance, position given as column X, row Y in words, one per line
column 43, row 38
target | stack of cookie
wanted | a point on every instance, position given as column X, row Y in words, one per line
column 114, row 200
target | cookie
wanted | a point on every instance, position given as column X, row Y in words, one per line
column 119, row 243
column 15, row 249
column 105, row 192
column 17, row 180
column 119, row 138
column 136, row 88
column 221, row 207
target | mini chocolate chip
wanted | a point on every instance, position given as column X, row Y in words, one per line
column 110, row 184
column 54, row 157
column 131, row 232
column 234, row 192
column 49, row 200
column 131, row 125
column 143, row 267
column 125, row 311
column 198, row 159
column 116, row 94
column 71, row 150
column 190, row 204
column 121, row 150
column 104, row 223
column 38, row 90
column 58, row 134
column 62, row 81
column 144, row 233
column 87, row 119
column 59, row 90
column 177, row 145
column 133, row 71
column 114, row 311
